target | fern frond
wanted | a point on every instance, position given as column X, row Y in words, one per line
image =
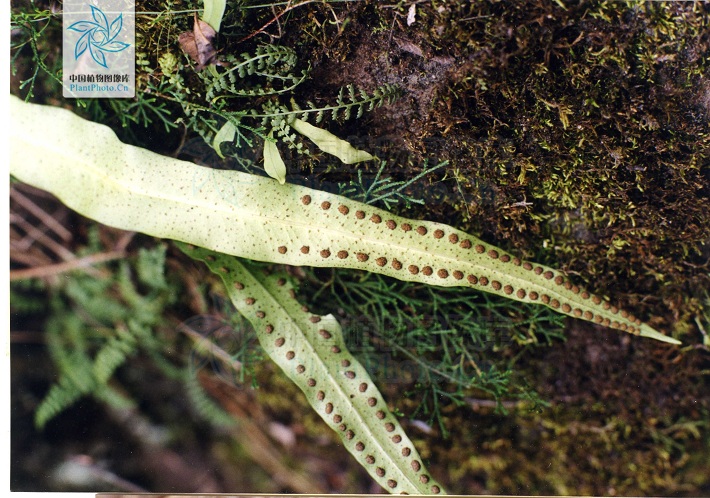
column 272, row 63
column 113, row 397
column 113, row 354
column 385, row 190
column 204, row 405
column 96, row 326
column 348, row 100
column 60, row 397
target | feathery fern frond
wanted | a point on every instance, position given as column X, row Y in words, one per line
column 204, row 405
column 60, row 397
column 97, row 325
column 275, row 64
column 352, row 101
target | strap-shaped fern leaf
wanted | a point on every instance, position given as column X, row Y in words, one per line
column 311, row 351
column 256, row 218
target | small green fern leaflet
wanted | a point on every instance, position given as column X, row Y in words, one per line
column 115, row 323
column 61, row 396
column 114, row 354
column 204, row 405
column 384, row 190
column 352, row 100
column 257, row 218
column 311, row 351
column 80, row 374
column 273, row 63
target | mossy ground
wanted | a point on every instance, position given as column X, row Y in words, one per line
column 577, row 135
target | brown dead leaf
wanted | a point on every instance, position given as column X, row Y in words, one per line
column 198, row 44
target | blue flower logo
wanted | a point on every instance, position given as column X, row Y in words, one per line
column 98, row 36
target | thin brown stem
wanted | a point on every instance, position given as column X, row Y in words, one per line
column 34, row 234
column 288, row 8
column 51, row 270
column 40, row 213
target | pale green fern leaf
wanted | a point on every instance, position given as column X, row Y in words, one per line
column 214, row 11
column 256, row 218
column 273, row 163
column 311, row 351
column 329, row 143
column 225, row 134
